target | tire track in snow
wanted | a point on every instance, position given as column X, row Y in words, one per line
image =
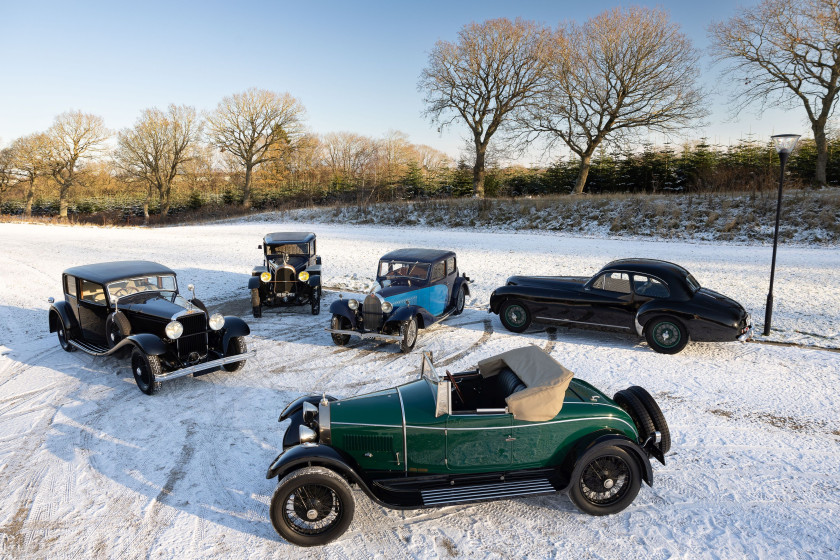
column 485, row 336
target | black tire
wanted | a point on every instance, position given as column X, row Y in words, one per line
column 256, row 305
column 117, row 327
column 340, row 322
column 460, row 300
column 145, row 368
column 637, row 411
column 307, row 498
column 666, row 334
column 408, row 331
column 200, row 304
column 236, row 345
column 515, row 316
column 605, row 480
column 62, row 337
column 656, row 416
column 315, row 300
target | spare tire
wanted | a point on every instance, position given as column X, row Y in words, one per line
column 637, row 411
column 656, row 415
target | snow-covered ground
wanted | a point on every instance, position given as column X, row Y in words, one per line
column 91, row 468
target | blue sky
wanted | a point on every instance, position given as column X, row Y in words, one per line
column 354, row 65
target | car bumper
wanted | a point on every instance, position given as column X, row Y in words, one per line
column 183, row 372
column 747, row 335
column 363, row 335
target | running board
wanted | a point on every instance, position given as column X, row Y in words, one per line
column 454, row 495
column 93, row 349
column 368, row 334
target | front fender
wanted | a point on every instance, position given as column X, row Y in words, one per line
column 254, row 282
column 62, row 311
column 305, row 455
column 605, row 439
column 314, row 280
column 149, row 343
column 340, row 308
column 297, row 404
column 406, row 312
column 234, row 326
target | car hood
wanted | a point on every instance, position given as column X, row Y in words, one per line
column 391, row 291
column 705, row 296
column 296, row 262
column 379, row 408
column 151, row 304
column 550, row 282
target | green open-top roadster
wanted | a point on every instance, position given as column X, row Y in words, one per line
column 517, row 425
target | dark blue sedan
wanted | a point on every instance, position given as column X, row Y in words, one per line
column 417, row 287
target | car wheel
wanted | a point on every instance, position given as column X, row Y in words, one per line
column 408, row 330
column 666, row 335
column 62, row 338
column 656, row 416
column 312, row 506
column 145, row 368
column 256, row 305
column 460, row 299
column 315, row 300
column 235, row 346
column 339, row 322
column 605, row 480
column 515, row 316
column 117, row 327
column 637, row 411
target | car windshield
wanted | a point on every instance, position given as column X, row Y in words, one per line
column 402, row 269
column 144, row 297
column 290, row 249
column 141, row 284
column 692, row 283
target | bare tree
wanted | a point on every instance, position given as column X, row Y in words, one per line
column 73, row 138
column 624, row 70
column 8, row 177
column 251, row 124
column 787, row 52
column 494, row 68
column 155, row 150
column 29, row 163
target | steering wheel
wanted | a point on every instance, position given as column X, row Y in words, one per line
column 457, row 389
column 119, row 292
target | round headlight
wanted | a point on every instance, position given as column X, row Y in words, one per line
column 387, row 307
column 352, row 304
column 217, row 321
column 303, row 276
column 174, row 329
column 265, row 277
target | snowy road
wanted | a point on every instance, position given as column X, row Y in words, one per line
column 90, row 467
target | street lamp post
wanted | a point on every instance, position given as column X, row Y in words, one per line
column 785, row 143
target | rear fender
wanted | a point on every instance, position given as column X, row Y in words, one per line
column 656, row 307
column 61, row 311
column 461, row 281
column 605, row 438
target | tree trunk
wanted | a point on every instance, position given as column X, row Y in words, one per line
column 146, row 206
column 822, row 153
column 585, row 163
column 478, row 171
column 30, row 194
column 246, row 191
column 164, row 201
column 62, row 202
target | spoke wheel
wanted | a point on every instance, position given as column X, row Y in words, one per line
column 605, row 480
column 256, row 304
column 316, row 300
column 515, row 316
column 460, row 299
column 312, row 506
column 409, row 335
column 339, row 322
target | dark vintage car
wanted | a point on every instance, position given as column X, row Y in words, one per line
column 659, row 300
column 290, row 275
column 115, row 307
column 417, row 287
column 518, row 425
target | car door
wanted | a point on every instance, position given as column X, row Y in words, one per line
column 438, row 291
column 93, row 310
column 609, row 302
column 71, row 295
column 478, row 442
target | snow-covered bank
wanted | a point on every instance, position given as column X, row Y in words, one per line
column 93, row 468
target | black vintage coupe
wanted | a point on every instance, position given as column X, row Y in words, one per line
column 114, row 307
column 659, row 300
column 290, row 273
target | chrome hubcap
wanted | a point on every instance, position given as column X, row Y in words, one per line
column 311, row 514
column 608, row 483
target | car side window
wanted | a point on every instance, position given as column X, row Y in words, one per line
column 438, row 271
column 93, row 293
column 70, row 285
column 618, row 282
column 450, row 265
column 649, row 287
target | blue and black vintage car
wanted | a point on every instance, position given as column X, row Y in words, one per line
column 290, row 274
column 114, row 307
column 659, row 300
column 417, row 287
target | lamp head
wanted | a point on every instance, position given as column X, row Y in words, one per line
column 785, row 143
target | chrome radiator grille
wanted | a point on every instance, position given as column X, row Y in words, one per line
column 372, row 313
column 194, row 338
column 284, row 280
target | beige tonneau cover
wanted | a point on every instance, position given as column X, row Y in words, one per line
column 545, row 382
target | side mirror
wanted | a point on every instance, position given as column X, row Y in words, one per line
column 51, row 300
column 259, row 246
